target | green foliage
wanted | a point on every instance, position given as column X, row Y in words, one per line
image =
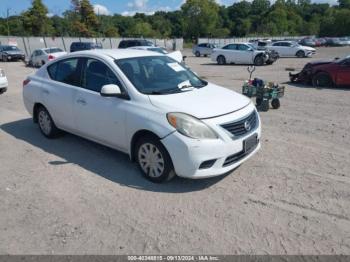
column 196, row 18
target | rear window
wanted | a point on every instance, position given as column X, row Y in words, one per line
column 65, row 71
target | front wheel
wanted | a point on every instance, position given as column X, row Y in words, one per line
column 154, row 160
column 221, row 60
column 321, row 80
column 259, row 61
column 198, row 54
column 300, row 54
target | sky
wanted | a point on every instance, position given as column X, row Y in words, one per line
column 124, row 7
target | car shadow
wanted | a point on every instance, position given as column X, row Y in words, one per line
column 300, row 85
column 100, row 160
column 216, row 64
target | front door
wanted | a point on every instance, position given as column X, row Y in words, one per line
column 343, row 75
column 97, row 117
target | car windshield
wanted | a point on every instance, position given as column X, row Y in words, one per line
column 53, row 50
column 10, row 48
column 251, row 46
column 159, row 75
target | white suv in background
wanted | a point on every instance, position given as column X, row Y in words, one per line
column 149, row 106
column 290, row 49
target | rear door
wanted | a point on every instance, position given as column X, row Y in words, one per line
column 278, row 48
column 59, row 89
column 230, row 52
column 244, row 54
column 100, row 118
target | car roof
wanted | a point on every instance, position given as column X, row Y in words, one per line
column 116, row 53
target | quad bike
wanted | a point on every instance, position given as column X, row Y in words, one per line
column 263, row 92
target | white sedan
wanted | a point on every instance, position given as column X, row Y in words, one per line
column 3, row 82
column 41, row 56
column 149, row 106
column 290, row 49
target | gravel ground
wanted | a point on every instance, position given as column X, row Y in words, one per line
column 72, row 196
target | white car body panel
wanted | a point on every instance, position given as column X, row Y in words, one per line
column 290, row 51
column 44, row 57
column 3, row 81
column 113, row 121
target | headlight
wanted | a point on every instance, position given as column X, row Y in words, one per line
column 2, row 73
column 190, row 126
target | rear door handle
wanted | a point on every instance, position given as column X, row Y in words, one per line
column 81, row 101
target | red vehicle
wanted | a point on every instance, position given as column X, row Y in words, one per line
column 325, row 73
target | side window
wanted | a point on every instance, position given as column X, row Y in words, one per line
column 242, row 47
column 65, row 71
column 97, row 74
column 276, row 44
column 230, row 47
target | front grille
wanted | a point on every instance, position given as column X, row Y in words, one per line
column 240, row 128
column 238, row 156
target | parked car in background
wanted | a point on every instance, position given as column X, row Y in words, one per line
column 177, row 55
column 11, row 53
column 40, row 57
column 325, row 73
column 311, row 42
column 344, row 41
column 157, row 49
column 149, row 106
column 290, row 49
column 3, row 82
column 203, row 49
column 334, row 41
column 240, row 53
column 81, row 46
column 134, row 42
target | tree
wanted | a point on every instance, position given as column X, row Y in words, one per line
column 35, row 20
column 260, row 7
column 344, row 3
column 84, row 19
column 200, row 16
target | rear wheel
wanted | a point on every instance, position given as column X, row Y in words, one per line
column 265, row 105
column 46, row 124
column 300, row 54
column 322, row 80
column 197, row 54
column 154, row 160
column 259, row 61
column 221, row 60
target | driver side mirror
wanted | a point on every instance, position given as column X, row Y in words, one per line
column 111, row 91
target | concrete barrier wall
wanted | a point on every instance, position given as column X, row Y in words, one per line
column 225, row 41
column 29, row 44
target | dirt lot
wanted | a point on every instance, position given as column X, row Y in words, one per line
column 72, row 196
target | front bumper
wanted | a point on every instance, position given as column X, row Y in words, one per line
column 189, row 154
column 15, row 57
column 3, row 84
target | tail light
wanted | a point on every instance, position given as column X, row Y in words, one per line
column 51, row 57
column 26, row 82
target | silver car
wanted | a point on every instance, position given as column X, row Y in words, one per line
column 204, row 49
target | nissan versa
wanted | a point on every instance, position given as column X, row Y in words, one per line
column 147, row 105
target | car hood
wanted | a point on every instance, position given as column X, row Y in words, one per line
column 308, row 48
column 321, row 62
column 209, row 101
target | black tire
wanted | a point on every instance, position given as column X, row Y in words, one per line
column 161, row 172
column 198, row 54
column 221, row 60
column 321, row 80
column 265, row 105
column 259, row 61
column 46, row 124
column 258, row 101
column 275, row 103
column 268, row 62
column 42, row 63
column 300, row 54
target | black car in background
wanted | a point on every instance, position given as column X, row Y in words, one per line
column 80, row 46
column 135, row 42
column 11, row 53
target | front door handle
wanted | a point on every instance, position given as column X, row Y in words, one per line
column 81, row 101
